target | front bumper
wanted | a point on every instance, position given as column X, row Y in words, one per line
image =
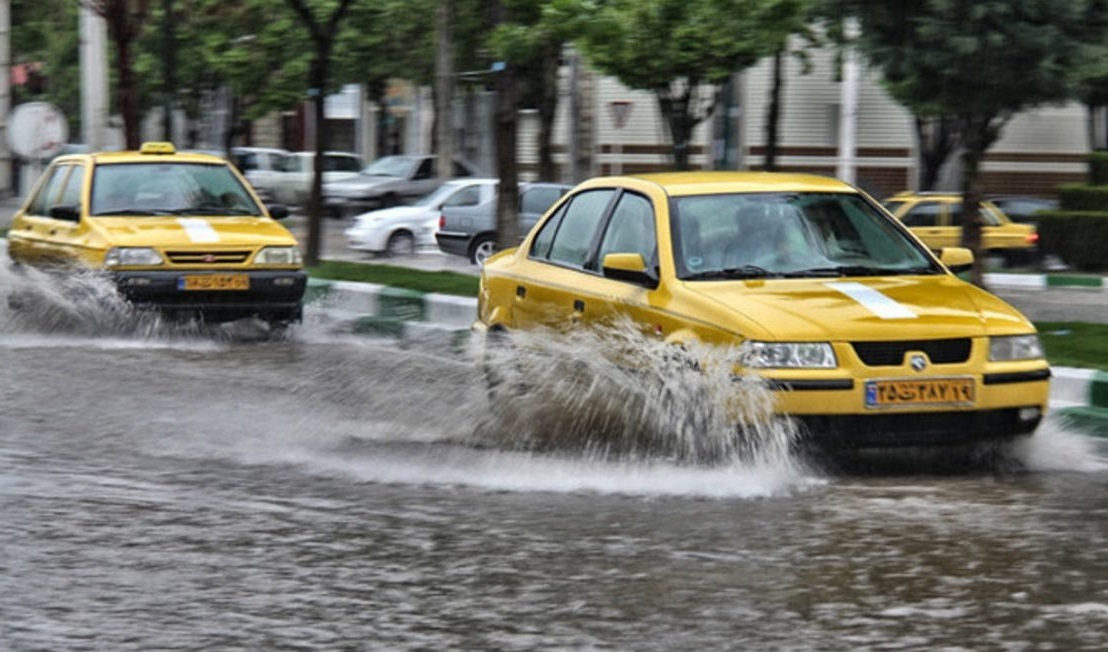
column 833, row 412
column 273, row 295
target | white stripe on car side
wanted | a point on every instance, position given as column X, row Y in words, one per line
column 198, row 230
column 872, row 300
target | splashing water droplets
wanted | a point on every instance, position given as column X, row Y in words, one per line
column 613, row 393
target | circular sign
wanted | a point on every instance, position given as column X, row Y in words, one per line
column 37, row 130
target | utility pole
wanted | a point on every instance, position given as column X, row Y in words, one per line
column 94, row 79
column 444, row 89
column 5, row 96
column 848, row 107
column 169, row 72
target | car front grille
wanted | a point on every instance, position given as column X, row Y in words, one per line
column 214, row 258
column 886, row 354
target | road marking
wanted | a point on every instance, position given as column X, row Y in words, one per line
column 872, row 300
column 198, row 230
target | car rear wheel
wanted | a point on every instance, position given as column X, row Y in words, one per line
column 483, row 247
column 401, row 243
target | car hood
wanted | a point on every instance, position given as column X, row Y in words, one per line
column 178, row 231
column 358, row 182
column 886, row 308
column 395, row 214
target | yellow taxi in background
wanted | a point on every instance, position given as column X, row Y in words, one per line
column 179, row 232
column 935, row 219
column 866, row 337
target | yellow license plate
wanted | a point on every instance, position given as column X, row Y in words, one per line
column 929, row 391
column 214, row 282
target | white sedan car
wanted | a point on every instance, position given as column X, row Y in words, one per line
column 401, row 230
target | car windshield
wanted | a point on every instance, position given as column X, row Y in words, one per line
column 389, row 166
column 789, row 235
column 165, row 188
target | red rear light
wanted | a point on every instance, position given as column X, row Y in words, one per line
column 442, row 220
column 1033, row 237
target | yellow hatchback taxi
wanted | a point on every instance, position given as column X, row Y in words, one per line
column 935, row 218
column 866, row 338
column 183, row 233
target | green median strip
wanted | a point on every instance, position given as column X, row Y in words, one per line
column 418, row 280
column 1068, row 280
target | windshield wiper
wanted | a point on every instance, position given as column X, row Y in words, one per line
column 745, row 271
column 213, row 210
column 842, row 270
column 135, row 211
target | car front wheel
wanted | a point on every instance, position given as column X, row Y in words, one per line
column 401, row 243
column 483, row 247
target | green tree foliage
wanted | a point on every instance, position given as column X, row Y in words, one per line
column 44, row 35
column 976, row 62
column 682, row 50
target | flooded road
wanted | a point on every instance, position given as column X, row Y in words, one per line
column 165, row 490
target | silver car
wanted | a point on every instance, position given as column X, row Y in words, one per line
column 388, row 181
column 470, row 231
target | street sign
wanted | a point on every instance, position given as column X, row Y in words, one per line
column 620, row 110
column 37, row 130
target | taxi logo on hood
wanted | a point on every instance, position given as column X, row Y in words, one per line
column 918, row 363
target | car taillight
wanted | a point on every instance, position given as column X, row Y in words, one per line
column 1032, row 238
column 442, row 220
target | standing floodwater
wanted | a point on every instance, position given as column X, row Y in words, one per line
column 173, row 491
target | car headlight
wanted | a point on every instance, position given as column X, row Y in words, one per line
column 789, row 355
column 279, row 256
column 132, row 257
column 1015, row 347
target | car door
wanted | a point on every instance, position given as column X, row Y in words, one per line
column 930, row 220
column 549, row 286
column 50, row 229
column 424, row 180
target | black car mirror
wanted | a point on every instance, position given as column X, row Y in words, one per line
column 67, row 212
column 277, row 211
column 629, row 267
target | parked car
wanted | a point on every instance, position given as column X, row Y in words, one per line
column 935, row 217
column 262, row 167
column 470, row 231
column 293, row 184
column 865, row 337
column 388, row 181
column 1021, row 208
column 400, row 230
column 182, row 233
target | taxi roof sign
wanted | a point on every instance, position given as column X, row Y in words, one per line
column 158, row 148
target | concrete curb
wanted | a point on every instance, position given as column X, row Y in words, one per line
column 1045, row 281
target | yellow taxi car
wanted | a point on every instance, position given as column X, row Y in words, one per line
column 178, row 232
column 865, row 336
column 935, row 218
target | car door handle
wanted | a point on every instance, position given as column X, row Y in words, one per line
column 578, row 305
column 521, row 291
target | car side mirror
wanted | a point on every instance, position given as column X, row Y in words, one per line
column 277, row 211
column 629, row 267
column 67, row 212
column 957, row 259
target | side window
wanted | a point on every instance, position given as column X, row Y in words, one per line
column 426, row 169
column 47, row 196
column 541, row 246
column 537, row 200
column 922, row 214
column 71, row 193
column 631, row 229
column 578, row 227
column 468, row 196
column 461, row 170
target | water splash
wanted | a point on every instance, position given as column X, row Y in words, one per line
column 612, row 393
column 86, row 303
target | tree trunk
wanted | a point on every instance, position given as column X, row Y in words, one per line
column 936, row 137
column 507, row 205
column 548, row 106
column 970, row 218
column 675, row 110
column 317, row 84
column 773, row 117
column 128, row 93
column 444, row 91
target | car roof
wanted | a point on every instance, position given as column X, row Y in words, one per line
column 718, row 182
column 133, row 156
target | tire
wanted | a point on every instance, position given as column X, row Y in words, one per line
column 483, row 247
column 401, row 243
